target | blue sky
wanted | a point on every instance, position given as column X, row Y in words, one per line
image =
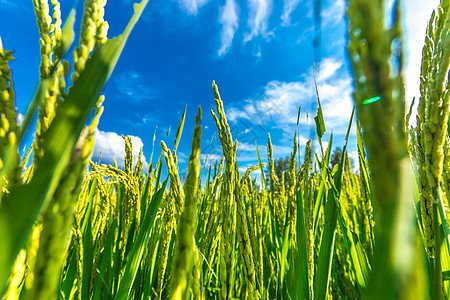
column 259, row 52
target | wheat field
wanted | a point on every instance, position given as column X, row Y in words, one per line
column 71, row 228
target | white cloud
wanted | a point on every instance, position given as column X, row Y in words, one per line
column 288, row 8
column 110, row 145
column 416, row 16
column 191, row 7
column 181, row 157
column 259, row 13
column 133, row 86
column 355, row 160
column 242, row 146
column 229, row 18
column 328, row 68
column 334, row 13
column 330, row 14
column 243, row 169
column 210, row 159
column 282, row 150
column 248, row 152
column 20, row 118
column 280, row 100
column 255, row 174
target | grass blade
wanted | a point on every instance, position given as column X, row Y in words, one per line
column 138, row 248
column 299, row 282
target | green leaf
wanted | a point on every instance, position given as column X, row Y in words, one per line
column 320, row 123
column 138, row 248
column 68, row 35
column 67, row 283
column 105, row 264
column 285, row 246
column 88, row 244
column 325, row 258
column 357, row 253
column 71, row 116
column 323, row 187
column 35, row 102
column 299, row 282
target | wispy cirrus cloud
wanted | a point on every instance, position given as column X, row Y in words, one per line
column 334, row 13
column 191, row 7
column 258, row 19
column 110, row 145
column 132, row 85
column 229, row 19
column 288, row 7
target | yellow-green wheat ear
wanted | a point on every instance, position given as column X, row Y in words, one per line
column 228, row 203
column 52, row 70
column 57, row 217
column 8, row 121
column 172, row 203
column 94, row 30
column 431, row 134
column 291, row 197
column 435, row 93
column 7, row 96
column 44, row 22
column 372, row 48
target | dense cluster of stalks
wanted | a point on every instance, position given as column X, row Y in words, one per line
column 74, row 229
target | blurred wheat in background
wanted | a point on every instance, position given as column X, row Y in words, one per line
column 71, row 228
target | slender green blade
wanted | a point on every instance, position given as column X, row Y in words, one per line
column 299, row 282
column 357, row 253
column 323, row 187
column 285, row 247
column 105, row 264
column 320, row 123
column 325, row 258
column 67, row 283
column 88, row 244
column 138, row 248
column 68, row 35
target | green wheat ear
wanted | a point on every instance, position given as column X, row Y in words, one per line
column 186, row 247
column 9, row 165
column 371, row 48
column 431, row 135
